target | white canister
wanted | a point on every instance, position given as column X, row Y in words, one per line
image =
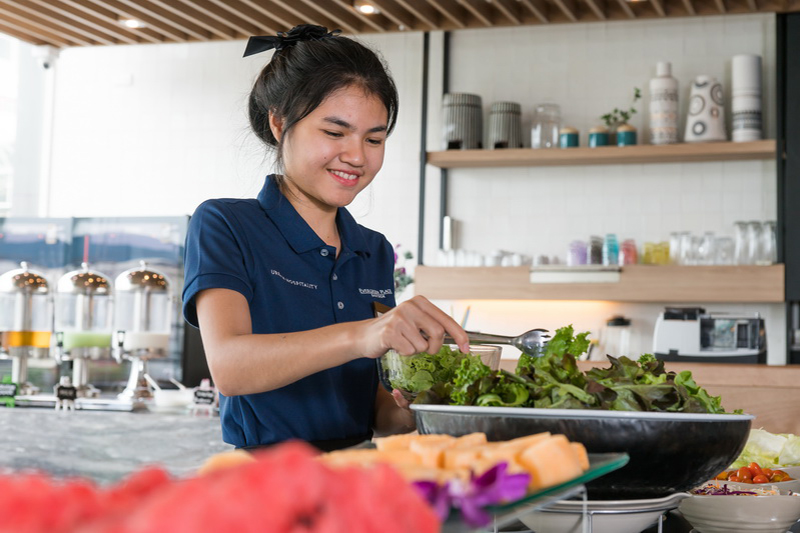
column 746, row 102
column 706, row 120
column 663, row 106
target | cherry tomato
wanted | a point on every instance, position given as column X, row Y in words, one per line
column 756, row 470
column 761, row 478
column 777, row 477
column 734, row 478
column 767, row 472
column 745, row 475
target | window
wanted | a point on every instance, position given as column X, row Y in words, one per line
column 8, row 116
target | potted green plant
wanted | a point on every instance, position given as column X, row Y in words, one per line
column 617, row 122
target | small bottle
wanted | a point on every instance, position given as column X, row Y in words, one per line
column 610, row 250
column 663, row 105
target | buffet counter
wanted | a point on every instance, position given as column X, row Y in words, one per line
column 106, row 446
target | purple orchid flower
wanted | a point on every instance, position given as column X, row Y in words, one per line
column 472, row 497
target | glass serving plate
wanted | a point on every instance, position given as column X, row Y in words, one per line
column 507, row 513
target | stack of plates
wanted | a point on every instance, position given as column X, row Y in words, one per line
column 605, row 516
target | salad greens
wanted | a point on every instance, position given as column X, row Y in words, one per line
column 555, row 381
column 770, row 450
column 424, row 370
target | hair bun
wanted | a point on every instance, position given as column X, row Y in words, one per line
column 303, row 32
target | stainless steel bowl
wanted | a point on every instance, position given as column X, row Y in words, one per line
column 669, row 452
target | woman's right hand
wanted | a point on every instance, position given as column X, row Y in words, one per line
column 414, row 326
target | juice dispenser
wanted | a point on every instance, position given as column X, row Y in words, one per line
column 26, row 321
column 142, row 323
column 83, row 318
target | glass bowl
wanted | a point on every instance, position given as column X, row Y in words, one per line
column 412, row 374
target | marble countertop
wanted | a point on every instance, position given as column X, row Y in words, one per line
column 106, row 446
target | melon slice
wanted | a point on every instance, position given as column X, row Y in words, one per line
column 550, row 462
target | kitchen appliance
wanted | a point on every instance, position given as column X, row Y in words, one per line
column 83, row 318
column 141, row 324
column 689, row 334
column 26, row 321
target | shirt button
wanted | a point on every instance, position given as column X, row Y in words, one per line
column 340, row 305
column 324, row 252
column 334, row 277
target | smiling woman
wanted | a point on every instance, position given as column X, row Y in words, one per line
column 282, row 286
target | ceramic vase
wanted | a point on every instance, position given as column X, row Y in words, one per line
column 463, row 122
column 706, row 120
column 746, row 101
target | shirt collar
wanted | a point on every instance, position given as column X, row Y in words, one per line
column 296, row 230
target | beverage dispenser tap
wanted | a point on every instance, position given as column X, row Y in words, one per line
column 142, row 324
column 26, row 321
column 83, row 318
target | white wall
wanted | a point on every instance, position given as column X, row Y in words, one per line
column 156, row 129
column 588, row 69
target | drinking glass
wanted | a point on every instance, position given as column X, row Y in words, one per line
column 705, row 249
column 675, row 247
column 724, row 251
column 754, row 228
column 546, row 124
column 741, row 253
column 687, row 255
column 769, row 244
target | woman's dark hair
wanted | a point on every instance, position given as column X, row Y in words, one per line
column 300, row 76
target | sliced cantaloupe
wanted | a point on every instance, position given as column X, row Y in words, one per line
column 368, row 457
column 431, row 453
column 550, row 462
column 223, row 460
column 469, row 440
column 580, row 452
column 461, row 457
column 403, row 442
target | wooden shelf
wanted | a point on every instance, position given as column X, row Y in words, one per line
column 637, row 283
column 605, row 155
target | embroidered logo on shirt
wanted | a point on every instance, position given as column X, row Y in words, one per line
column 376, row 293
column 293, row 282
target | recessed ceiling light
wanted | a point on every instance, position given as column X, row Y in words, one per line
column 132, row 23
column 365, row 7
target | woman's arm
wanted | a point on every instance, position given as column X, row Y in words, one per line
column 245, row 363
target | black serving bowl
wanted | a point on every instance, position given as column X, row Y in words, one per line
column 669, row 452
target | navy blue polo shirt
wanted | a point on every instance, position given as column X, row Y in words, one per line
column 292, row 281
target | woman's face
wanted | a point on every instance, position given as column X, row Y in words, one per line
column 334, row 153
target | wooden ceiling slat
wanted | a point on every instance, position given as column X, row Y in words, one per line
column 753, row 5
column 627, row 8
column 47, row 11
column 283, row 18
column 30, row 35
column 112, row 18
column 184, row 14
column 538, row 8
column 115, row 31
column 218, row 15
column 689, row 5
column 376, row 21
column 510, row 9
column 11, row 11
column 166, row 21
column 569, row 8
column 423, row 11
column 479, row 9
column 721, row 6
column 122, row 9
column 451, row 11
column 249, row 14
column 599, row 8
column 344, row 20
column 308, row 16
column 659, row 7
column 402, row 19
column 50, row 21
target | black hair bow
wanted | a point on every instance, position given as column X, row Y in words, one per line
column 303, row 32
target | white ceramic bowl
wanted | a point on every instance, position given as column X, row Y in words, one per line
column 173, row 397
column 741, row 514
column 608, row 516
column 784, row 486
